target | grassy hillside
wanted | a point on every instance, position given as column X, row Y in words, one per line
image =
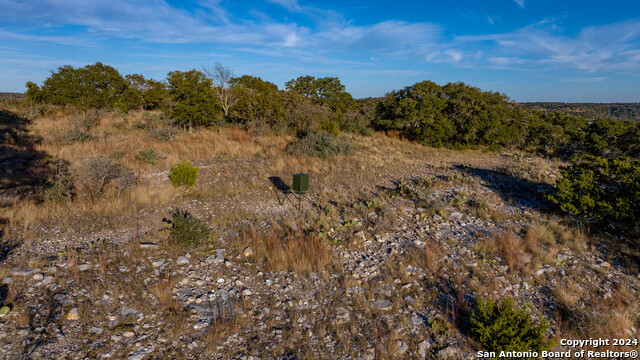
column 385, row 259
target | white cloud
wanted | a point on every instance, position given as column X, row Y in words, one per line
column 291, row 5
column 455, row 55
column 586, row 80
column 158, row 22
column 610, row 47
column 61, row 40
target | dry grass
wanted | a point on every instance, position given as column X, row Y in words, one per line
column 513, row 251
column 109, row 136
column 217, row 332
column 612, row 318
column 28, row 213
column 566, row 295
column 432, row 256
column 162, row 291
column 298, row 252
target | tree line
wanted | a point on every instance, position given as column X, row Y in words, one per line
column 590, row 111
column 601, row 184
column 210, row 97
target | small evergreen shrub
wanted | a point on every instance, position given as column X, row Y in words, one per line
column 500, row 327
column 183, row 174
column 187, row 229
column 59, row 186
column 148, row 155
column 600, row 189
column 320, row 144
column 331, row 126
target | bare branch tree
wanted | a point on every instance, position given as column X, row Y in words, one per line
column 221, row 76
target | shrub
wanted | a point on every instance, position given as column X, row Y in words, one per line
column 147, row 155
column 59, row 186
column 75, row 134
column 331, row 126
column 500, row 327
column 183, row 174
column 600, row 189
column 117, row 155
column 167, row 133
column 320, row 144
column 96, row 173
column 187, row 229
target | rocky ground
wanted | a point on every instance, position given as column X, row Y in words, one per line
column 410, row 247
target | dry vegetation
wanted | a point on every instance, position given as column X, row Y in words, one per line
column 426, row 229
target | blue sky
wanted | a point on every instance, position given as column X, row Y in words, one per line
column 532, row 50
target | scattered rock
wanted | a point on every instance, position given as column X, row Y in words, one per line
column 85, row 267
column 157, row 263
column 248, row 252
column 142, row 353
column 182, row 260
column 448, row 353
column 149, row 245
column 424, row 347
column 562, row 272
column 342, row 316
column 384, row 305
column 24, row 272
column 399, row 348
column 127, row 311
column 73, row 314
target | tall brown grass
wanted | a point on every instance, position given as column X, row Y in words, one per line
column 298, row 252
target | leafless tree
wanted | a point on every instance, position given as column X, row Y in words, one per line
column 221, row 76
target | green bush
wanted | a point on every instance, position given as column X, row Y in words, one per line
column 600, row 189
column 331, row 126
column 193, row 102
column 59, row 186
column 320, row 144
column 187, row 230
column 148, row 155
column 183, row 174
column 500, row 327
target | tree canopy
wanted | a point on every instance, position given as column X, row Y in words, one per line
column 92, row 86
column 192, row 98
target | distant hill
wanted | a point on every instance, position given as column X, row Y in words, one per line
column 622, row 111
column 11, row 96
